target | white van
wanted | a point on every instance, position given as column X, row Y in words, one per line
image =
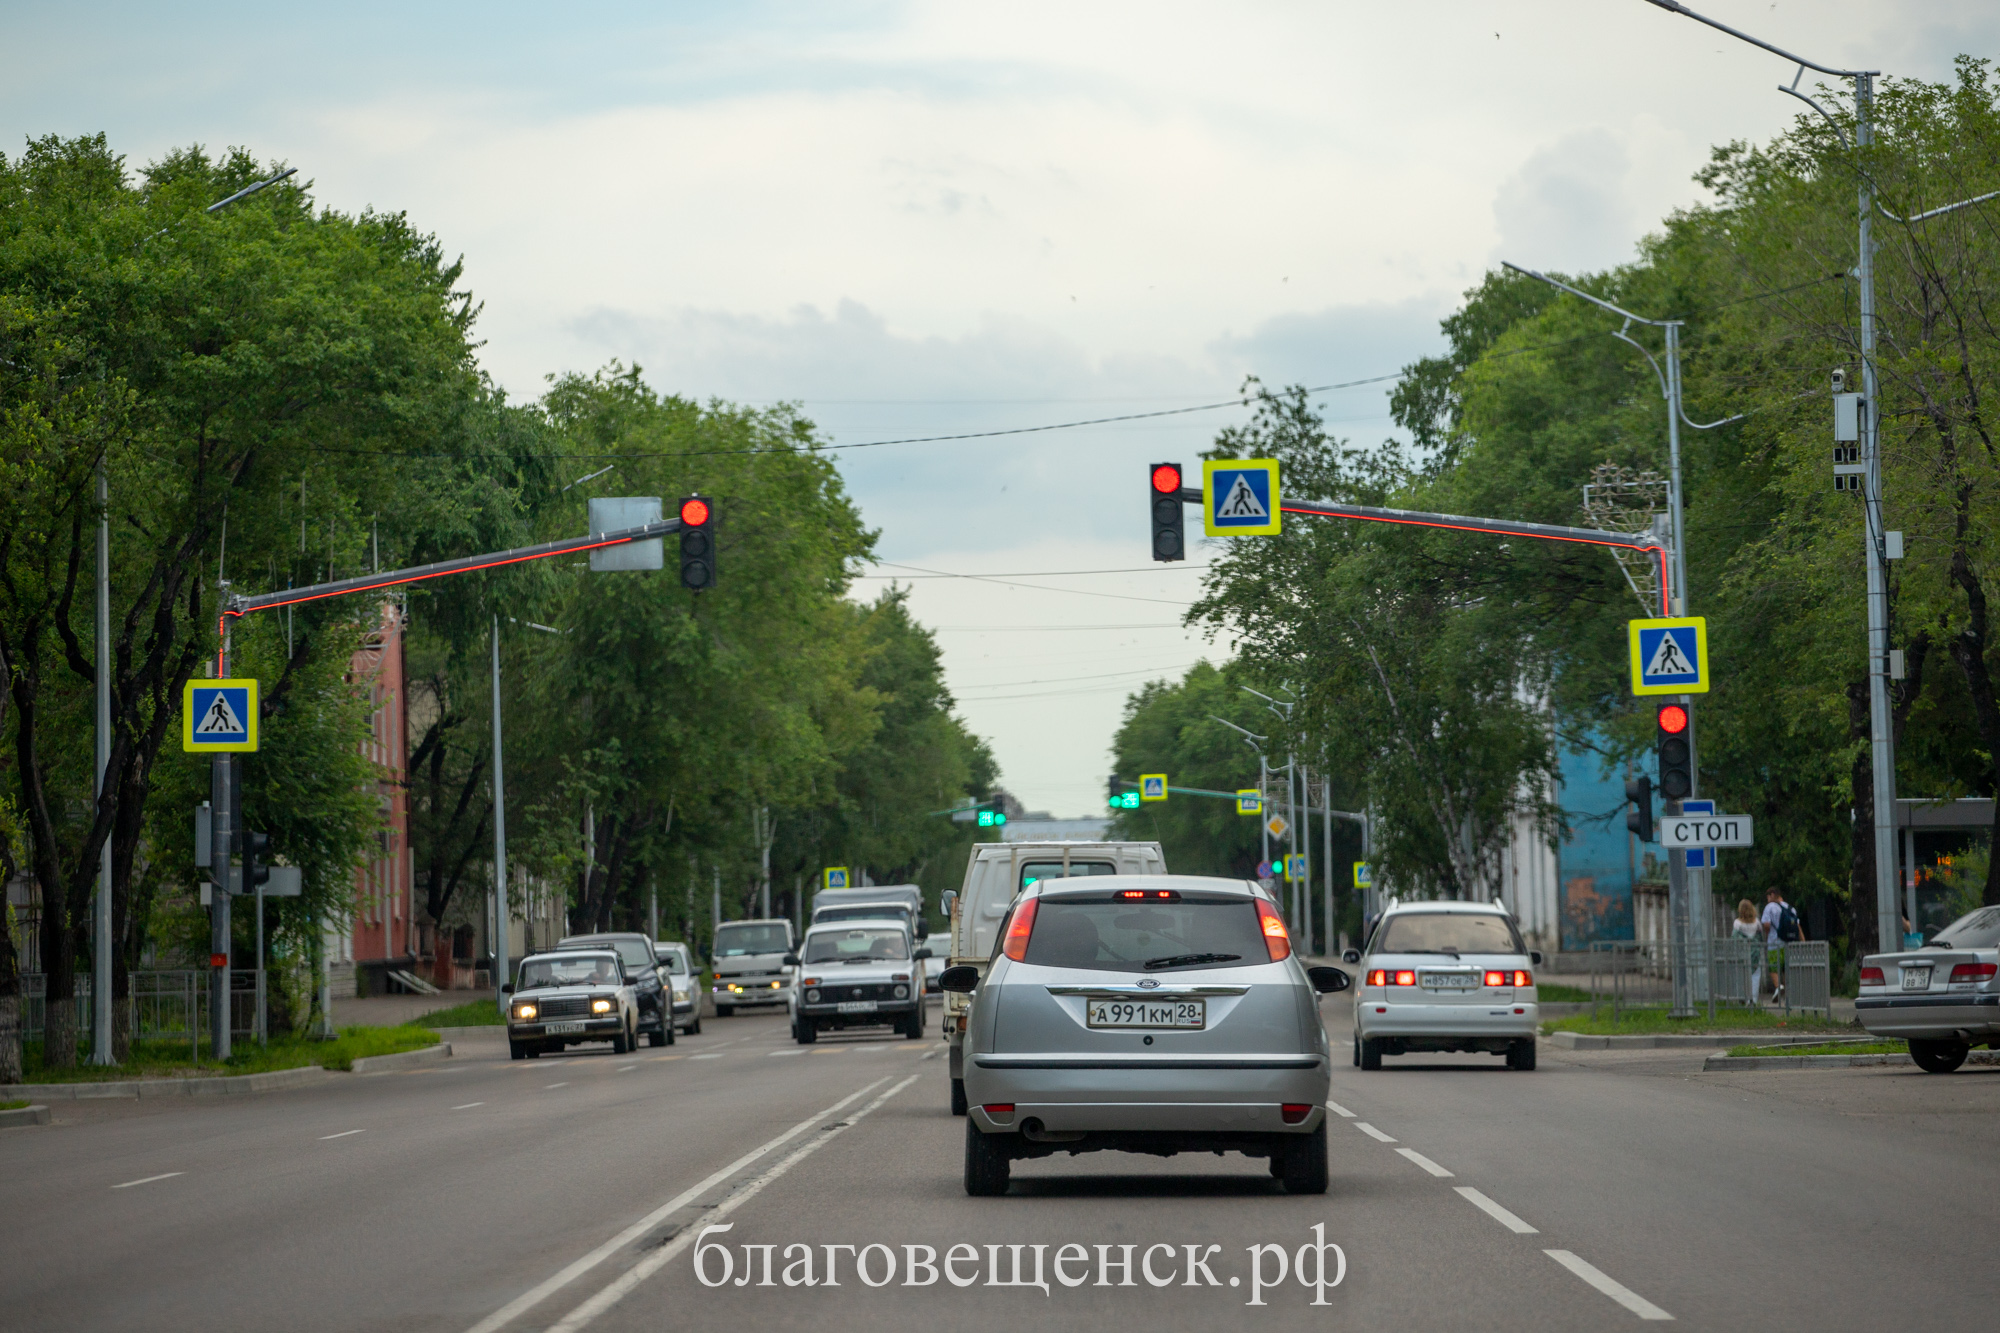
column 995, row 874
column 747, row 964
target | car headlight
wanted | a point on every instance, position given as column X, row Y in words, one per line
column 602, row 1006
column 812, row 997
column 680, row 994
column 777, row 985
column 902, row 992
column 524, row 1011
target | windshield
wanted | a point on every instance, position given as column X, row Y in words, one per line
column 939, row 945
column 1978, row 929
column 581, row 969
column 1447, row 933
column 863, row 912
column 1031, row 871
column 1123, row 937
column 856, row 946
column 637, row 954
column 763, row 937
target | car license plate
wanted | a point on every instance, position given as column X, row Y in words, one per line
column 1146, row 1013
column 1916, row 978
column 1449, row 980
column 857, row 1006
column 558, row 1029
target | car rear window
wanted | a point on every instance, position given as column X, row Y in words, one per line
column 1447, row 932
column 1975, row 930
column 1031, row 871
column 1109, row 936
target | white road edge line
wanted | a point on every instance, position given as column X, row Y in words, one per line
column 1372, row 1132
column 1424, row 1162
column 535, row 1295
column 343, row 1134
column 1340, row 1110
column 1495, row 1211
column 1624, row 1295
column 147, row 1180
column 622, row 1285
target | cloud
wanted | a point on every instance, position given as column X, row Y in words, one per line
column 1568, row 207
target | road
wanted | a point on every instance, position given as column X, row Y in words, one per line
column 482, row 1195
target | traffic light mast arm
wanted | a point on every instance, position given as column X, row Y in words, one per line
column 1505, row 527
column 1230, row 796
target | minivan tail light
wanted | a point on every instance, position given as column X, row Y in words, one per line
column 1872, row 976
column 1018, row 930
column 1277, row 940
column 1974, row 972
column 1496, row 979
column 1134, row 894
column 1524, row 978
column 1295, row 1113
column 1406, row 978
column 1379, row 977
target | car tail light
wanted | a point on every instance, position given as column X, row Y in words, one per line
column 1974, row 972
column 1524, row 978
column 1018, row 930
column 1406, row 978
column 1379, row 977
column 1496, row 979
column 1872, row 976
column 998, row 1108
column 1168, row 894
column 1295, row 1113
column 1276, row 939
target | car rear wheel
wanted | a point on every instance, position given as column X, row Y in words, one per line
column 1938, row 1055
column 1521, row 1055
column 1357, row 1052
column 1302, row 1164
column 1371, row 1053
column 958, row 1096
column 987, row 1162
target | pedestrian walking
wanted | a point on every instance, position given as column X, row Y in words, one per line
column 1747, row 927
column 1781, row 927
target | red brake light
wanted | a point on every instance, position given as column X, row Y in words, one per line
column 1406, row 978
column 1167, row 478
column 1496, row 978
column 998, row 1108
column 1378, row 977
column 1974, row 972
column 1018, row 930
column 1131, row 894
column 1524, row 978
column 694, row 513
column 1872, row 976
column 1295, row 1113
column 1276, row 938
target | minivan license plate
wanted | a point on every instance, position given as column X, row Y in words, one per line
column 1146, row 1013
column 1449, row 981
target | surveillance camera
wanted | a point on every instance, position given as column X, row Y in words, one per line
column 1840, row 379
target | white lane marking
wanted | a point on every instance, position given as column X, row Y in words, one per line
column 468, row 1106
column 784, row 1052
column 658, row 1058
column 147, row 1180
column 714, row 1056
column 535, row 1295
column 343, row 1134
column 1624, row 1295
column 835, row 1051
column 1424, row 1162
column 1495, row 1211
column 626, row 1069
column 617, row 1289
column 930, row 1055
column 1340, row 1110
column 563, row 1084
column 1372, row 1132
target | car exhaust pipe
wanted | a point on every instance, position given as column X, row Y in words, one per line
column 1032, row 1129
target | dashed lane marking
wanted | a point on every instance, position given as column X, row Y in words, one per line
column 1372, row 1132
column 563, row 1084
column 784, row 1052
column 1617, row 1291
column 343, row 1134
column 715, row 1055
column 1340, row 1110
column 468, row 1106
column 1424, row 1162
column 147, row 1180
column 1495, row 1211
column 626, row 1069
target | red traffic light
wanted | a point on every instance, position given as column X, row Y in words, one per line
column 1673, row 719
column 1166, row 478
column 694, row 513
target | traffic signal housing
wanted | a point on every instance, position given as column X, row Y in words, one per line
column 1169, row 536
column 1121, row 795
column 697, row 515
column 256, row 860
column 1639, row 819
column 1676, row 754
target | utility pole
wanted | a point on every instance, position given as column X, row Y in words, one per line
column 500, row 914
column 100, row 963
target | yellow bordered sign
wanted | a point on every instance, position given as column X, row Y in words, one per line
column 1152, row 786
column 1239, row 497
column 219, row 716
column 1249, row 801
column 833, row 877
column 1669, row 656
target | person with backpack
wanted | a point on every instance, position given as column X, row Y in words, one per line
column 1781, row 927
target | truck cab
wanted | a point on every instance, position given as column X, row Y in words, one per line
column 747, row 965
column 994, row 876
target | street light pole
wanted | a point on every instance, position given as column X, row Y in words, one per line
column 500, row 915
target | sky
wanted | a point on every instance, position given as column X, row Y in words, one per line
column 938, row 219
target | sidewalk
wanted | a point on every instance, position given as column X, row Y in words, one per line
column 390, row 1010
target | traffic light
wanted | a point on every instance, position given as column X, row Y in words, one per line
column 1676, row 755
column 1639, row 819
column 1120, row 794
column 991, row 816
column 697, row 543
column 1169, row 543
column 256, row 854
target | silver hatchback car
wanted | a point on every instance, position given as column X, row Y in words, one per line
column 1157, row 1014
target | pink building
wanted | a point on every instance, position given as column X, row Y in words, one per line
column 384, row 932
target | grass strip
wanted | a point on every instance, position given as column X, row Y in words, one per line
column 1653, row 1020
column 1894, row 1047
column 473, row 1013
column 14, row 1105
column 169, row 1059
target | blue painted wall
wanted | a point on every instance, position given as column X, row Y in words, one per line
column 1596, row 866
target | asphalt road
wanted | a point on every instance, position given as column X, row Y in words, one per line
column 484, row 1195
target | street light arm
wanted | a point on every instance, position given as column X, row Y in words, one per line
column 1620, row 311
column 249, row 190
column 1935, row 212
column 1250, row 736
column 1793, row 91
column 1672, row 7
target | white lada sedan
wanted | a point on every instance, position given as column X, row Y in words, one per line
column 1157, row 1014
column 1445, row 976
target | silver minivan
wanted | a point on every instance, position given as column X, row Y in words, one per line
column 1445, row 976
column 1157, row 1014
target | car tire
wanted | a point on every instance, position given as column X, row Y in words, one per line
column 803, row 1031
column 724, row 1011
column 517, row 1050
column 1938, row 1055
column 1521, row 1055
column 913, row 1026
column 987, row 1162
column 958, row 1096
column 1371, row 1053
column 660, row 1038
column 532, row 1052
column 694, row 1028
column 1357, row 1052
column 1303, row 1163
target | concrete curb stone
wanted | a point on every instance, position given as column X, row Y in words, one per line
column 24, row 1115
column 1584, row 1041
column 236, row 1086
column 1722, row 1062
column 389, row 1064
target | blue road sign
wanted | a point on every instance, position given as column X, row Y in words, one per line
column 1669, row 656
column 219, row 716
column 1240, row 497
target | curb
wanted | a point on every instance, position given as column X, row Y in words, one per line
column 1716, row 1063
column 389, row 1064
column 24, row 1115
column 495, row 1030
column 1583, row 1041
column 235, row 1086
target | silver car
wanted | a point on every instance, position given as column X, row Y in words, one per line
column 857, row 974
column 575, row 995
column 1445, row 976
column 1944, row 998
column 1157, row 1014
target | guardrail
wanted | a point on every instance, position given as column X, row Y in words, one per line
column 158, row 1007
column 1624, row 973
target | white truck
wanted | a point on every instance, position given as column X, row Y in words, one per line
column 994, row 876
column 747, row 964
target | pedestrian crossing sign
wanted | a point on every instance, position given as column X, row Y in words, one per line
column 1249, row 801
column 1239, row 497
column 1669, row 656
column 219, row 716
column 1152, row 786
column 833, row 877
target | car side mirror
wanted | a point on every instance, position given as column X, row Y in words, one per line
column 1350, row 955
column 790, row 960
column 922, row 954
column 960, row 980
column 947, row 901
column 506, row 988
column 1535, row 957
column 1328, row 980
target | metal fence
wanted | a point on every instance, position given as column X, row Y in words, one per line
column 159, row 1006
column 1627, row 973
